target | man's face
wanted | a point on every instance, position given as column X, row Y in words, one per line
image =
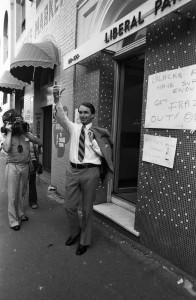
column 85, row 115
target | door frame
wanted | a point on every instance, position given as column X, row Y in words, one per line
column 119, row 126
column 119, row 70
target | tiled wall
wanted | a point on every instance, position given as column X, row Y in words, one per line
column 166, row 207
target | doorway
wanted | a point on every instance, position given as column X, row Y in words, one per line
column 129, row 126
column 47, row 138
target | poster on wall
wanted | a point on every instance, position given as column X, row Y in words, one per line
column 159, row 150
column 171, row 99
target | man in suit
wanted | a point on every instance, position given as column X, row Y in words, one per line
column 90, row 152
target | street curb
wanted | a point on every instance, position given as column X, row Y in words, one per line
column 131, row 240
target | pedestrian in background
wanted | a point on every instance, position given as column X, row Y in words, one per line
column 16, row 145
column 90, row 149
column 35, row 151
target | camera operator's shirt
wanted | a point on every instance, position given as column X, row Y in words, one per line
column 13, row 156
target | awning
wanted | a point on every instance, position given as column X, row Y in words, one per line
column 32, row 57
column 8, row 83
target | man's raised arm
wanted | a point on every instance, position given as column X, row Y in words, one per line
column 60, row 115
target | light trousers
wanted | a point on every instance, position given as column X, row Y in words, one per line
column 17, row 176
column 81, row 185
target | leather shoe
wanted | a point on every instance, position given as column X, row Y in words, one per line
column 16, row 228
column 81, row 249
column 24, row 218
column 71, row 240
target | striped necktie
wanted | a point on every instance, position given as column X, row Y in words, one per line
column 81, row 148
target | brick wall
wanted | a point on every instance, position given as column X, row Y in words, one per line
column 60, row 30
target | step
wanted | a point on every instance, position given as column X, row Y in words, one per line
column 119, row 215
column 123, row 203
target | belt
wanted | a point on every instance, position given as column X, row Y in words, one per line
column 83, row 166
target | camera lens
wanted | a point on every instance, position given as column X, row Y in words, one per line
column 20, row 149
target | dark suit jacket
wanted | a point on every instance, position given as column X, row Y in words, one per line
column 104, row 141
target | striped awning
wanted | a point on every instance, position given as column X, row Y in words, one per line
column 9, row 83
column 33, row 57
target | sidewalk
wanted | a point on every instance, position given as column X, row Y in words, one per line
column 36, row 264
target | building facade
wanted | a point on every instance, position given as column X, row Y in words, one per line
column 135, row 61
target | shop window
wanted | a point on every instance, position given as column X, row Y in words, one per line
column 4, row 98
column 20, row 17
column 85, row 18
column 19, row 101
column 47, row 77
column 23, row 15
column 43, row 77
column 5, row 37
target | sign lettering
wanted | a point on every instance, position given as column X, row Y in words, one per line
column 159, row 150
column 49, row 11
column 147, row 13
column 171, row 99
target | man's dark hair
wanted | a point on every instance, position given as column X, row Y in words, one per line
column 10, row 116
column 89, row 105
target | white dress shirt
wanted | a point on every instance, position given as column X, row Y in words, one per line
column 92, row 151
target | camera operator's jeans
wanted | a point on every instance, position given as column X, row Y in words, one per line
column 17, row 175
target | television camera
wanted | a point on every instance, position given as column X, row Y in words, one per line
column 18, row 125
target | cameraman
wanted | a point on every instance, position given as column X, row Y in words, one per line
column 16, row 145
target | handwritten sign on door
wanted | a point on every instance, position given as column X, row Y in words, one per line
column 171, row 99
column 159, row 150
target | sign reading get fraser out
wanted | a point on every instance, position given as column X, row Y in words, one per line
column 144, row 15
column 171, row 99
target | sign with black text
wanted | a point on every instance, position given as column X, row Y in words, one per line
column 159, row 150
column 145, row 14
column 171, row 99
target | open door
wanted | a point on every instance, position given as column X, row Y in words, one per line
column 128, row 126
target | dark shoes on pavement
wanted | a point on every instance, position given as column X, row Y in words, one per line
column 34, row 206
column 81, row 249
column 71, row 240
column 16, row 228
column 24, row 218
